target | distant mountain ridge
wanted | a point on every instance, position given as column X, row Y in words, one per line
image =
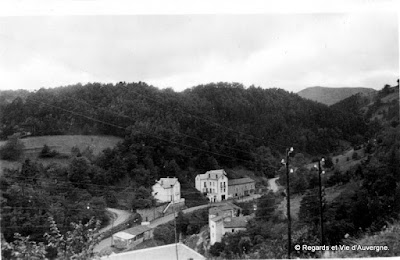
column 330, row 96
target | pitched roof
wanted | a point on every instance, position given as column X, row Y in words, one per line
column 158, row 252
column 217, row 218
column 166, row 183
column 214, row 174
column 240, row 181
column 238, row 222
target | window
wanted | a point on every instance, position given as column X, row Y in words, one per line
column 233, row 230
column 205, row 184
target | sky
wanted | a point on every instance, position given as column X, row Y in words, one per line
column 283, row 50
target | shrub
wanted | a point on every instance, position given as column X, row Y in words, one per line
column 12, row 150
column 47, row 152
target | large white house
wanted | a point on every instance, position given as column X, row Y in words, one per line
column 214, row 184
column 167, row 190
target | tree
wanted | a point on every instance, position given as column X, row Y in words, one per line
column 76, row 244
column 182, row 223
column 142, row 198
column 78, row 172
column 12, row 150
column 328, row 162
column 310, row 208
column 47, row 152
column 216, row 249
column 164, row 233
column 266, row 206
column 245, row 245
column 22, row 248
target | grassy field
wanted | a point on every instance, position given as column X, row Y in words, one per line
column 295, row 200
column 62, row 144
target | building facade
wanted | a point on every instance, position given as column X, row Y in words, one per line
column 214, row 184
column 241, row 187
column 224, row 219
column 167, row 190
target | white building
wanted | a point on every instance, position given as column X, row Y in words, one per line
column 170, row 251
column 216, row 225
column 214, row 184
column 167, row 190
column 224, row 219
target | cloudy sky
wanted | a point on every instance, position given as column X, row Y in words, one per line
column 289, row 51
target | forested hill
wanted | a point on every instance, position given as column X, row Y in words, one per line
column 219, row 113
column 330, row 96
column 381, row 105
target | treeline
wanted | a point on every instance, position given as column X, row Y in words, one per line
column 223, row 118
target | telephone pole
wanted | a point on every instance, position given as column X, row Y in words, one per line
column 320, row 200
column 288, row 152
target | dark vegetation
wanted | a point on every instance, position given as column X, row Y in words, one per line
column 186, row 225
column 12, row 150
column 183, row 134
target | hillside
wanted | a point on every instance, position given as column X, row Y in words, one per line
column 330, row 96
column 220, row 113
column 389, row 237
column 382, row 105
column 62, row 144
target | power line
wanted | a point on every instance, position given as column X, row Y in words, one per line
column 173, row 132
column 203, row 119
column 156, row 137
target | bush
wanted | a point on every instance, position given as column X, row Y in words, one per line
column 165, row 233
column 47, row 152
column 12, row 150
column 217, row 249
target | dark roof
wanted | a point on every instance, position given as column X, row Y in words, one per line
column 238, row 222
column 240, row 181
column 225, row 207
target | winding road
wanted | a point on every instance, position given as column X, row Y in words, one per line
column 119, row 216
column 272, row 184
column 106, row 243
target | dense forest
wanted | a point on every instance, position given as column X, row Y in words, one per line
column 220, row 115
column 167, row 133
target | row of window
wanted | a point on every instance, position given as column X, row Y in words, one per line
column 213, row 184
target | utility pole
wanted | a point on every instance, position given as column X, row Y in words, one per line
column 320, row 200
column 173, row 207
column 288, row 152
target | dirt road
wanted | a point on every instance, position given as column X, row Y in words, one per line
column 272, row 184
column 119, row 216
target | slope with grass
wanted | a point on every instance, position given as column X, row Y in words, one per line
column 62, row 144
column 388, row 237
